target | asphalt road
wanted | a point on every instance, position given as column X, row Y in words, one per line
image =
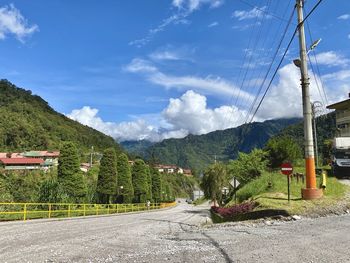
column 174, row 235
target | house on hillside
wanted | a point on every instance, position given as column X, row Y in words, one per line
column 85, row 167
column 342, row 113
column 11, row 155
column 22, row 163
column 187, row 172
column 50, row 157
column 171, row 169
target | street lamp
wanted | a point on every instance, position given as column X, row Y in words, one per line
column 297, row 62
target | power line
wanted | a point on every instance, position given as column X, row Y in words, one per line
column 248, row 57
column 318, row 69
column 270, row 66
column 284, row 54
column 264, row 11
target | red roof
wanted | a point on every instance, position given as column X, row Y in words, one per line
column 9, row 161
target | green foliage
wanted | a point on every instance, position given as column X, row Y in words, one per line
column 125, row 179
column 21, row 186
column 282, row 149
column 107, row 176
column 69, row 175
column 139, row 181
column 248, row 166
column 181, row 185
column 91, row 184
column 28, row 122
column 50, row 191
column 325, row 127
column 214, row 179
column 197, row 151
column 5, row 194
column 149, row 183
column 156, row 185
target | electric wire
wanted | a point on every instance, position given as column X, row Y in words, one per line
column 240, row 94
column 264, row 11
column 262, row 55
column 318, row 69
column 284, row 54
column 270, row 66
column 249, row 68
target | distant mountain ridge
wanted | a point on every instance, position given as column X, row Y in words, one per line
column 197, row 151
column 28, row 123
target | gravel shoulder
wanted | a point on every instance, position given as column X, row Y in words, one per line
column 175, row 235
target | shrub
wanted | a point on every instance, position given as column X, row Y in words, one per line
column 230, row 212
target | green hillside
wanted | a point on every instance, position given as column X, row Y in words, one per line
column 197, row 151
column 28, row 122
column 325, row 127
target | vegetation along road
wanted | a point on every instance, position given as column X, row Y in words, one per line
column 175, row 235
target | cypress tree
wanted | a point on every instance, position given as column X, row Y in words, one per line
column 139, row 181
column 156, row 185
column 69, row 176
column 126, row 193
column 107, row 176
column 149, row 183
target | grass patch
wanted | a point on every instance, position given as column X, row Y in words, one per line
column 200, row 201
column 270, row 191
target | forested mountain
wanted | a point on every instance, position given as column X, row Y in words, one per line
column 136, row 147
column 325, row 129
column 198, row 151
column 28, row 122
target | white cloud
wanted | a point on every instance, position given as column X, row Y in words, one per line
column 165, row 55
column 12, row 22
column 190, row 113
column 192, row 5
column 253, row 13
column 344, row 17
column 184, row 115
column 208, row 85
column 331, row 58
column 140, row 65
column 185, row 8
column 213, row 24
column 285, row 100
column 136, row 130
column 339, row 75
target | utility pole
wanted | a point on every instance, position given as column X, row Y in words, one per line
column 315, row 106
column 91, row 154
column 310, row 192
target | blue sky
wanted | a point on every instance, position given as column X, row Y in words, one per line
column 160, row 69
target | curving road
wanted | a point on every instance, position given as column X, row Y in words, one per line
column 174, row 235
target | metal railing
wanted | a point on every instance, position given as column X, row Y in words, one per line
column 26, row 211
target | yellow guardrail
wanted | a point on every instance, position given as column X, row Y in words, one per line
column 25, row 211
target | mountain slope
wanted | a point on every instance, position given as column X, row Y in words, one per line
column 136, row 147
column 197, row 151
column 28, row 122
column 325, row 127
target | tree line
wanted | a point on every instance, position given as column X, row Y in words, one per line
column 113, row 180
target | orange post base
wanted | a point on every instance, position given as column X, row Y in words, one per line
column 311, row 193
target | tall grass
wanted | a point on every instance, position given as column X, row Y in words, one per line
column 276, row 182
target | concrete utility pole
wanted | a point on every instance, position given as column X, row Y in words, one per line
column 91, row 154
column 310, row 192
column 315, row 106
